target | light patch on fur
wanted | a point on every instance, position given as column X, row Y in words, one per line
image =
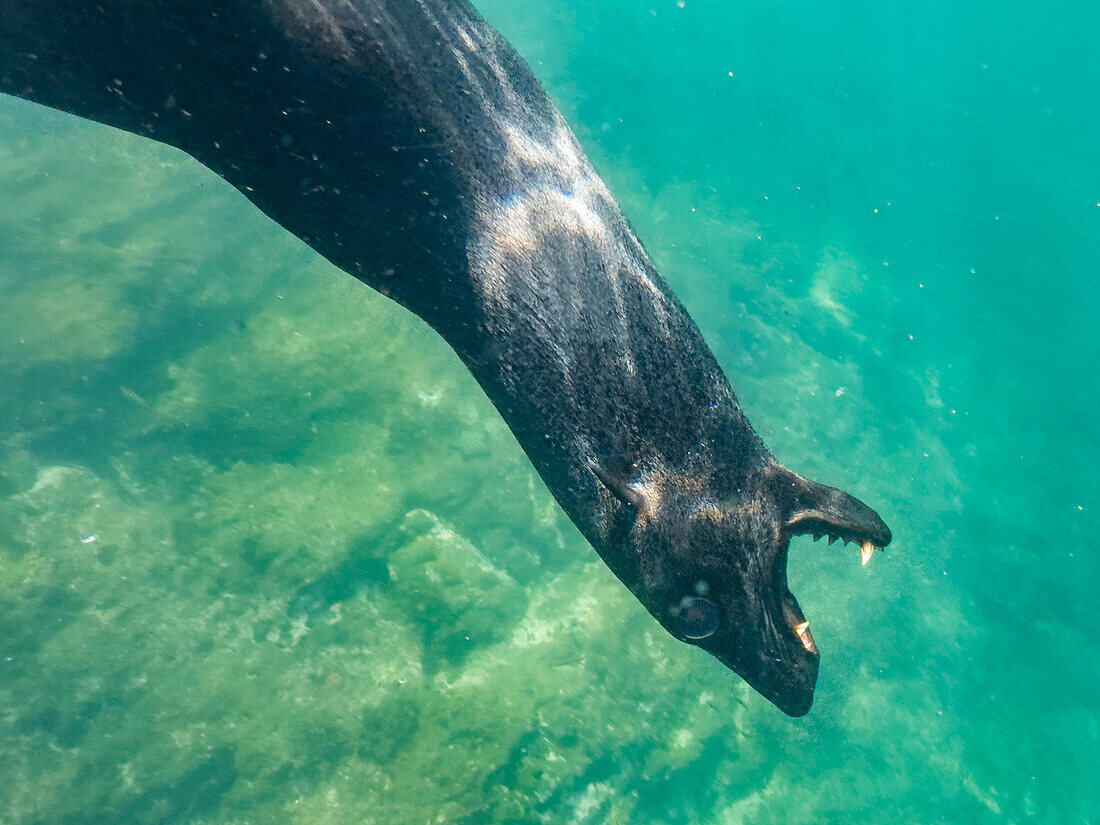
column 709, row 512
column 556, row 194
column 520, row 223
column 464, row 36
column 557, row 187
column 561, row 154
column 328, row 19
column 554, row 186
column 541, row 202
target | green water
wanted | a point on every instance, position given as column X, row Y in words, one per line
column 268, row 556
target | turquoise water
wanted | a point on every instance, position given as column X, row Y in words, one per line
column 267, row 554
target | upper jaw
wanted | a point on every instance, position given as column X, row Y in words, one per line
column 809, row 508
column 870, row 535
column 817, row 510
column 820, row 522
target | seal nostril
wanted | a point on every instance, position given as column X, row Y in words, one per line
column 697, row 617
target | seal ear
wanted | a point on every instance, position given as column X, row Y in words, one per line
column 623, row 490
column 808, row 507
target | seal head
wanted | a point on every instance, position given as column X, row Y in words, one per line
column 711, row 565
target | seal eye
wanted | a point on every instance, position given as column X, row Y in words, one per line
column 697, row 617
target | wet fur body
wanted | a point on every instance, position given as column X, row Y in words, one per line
column 406, row 142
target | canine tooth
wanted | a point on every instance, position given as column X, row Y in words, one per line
column 832, row 539
column 803, row 631
column 865, row 551
column 817, row 536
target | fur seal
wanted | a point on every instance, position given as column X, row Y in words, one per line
column 405, row 141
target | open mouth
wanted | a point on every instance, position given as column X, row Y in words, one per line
column 782, row 659
column 866, row 530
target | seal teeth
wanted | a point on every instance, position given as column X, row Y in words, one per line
column 803, row 631
column 817, row 536
column 832, row 539
column 865, row 551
